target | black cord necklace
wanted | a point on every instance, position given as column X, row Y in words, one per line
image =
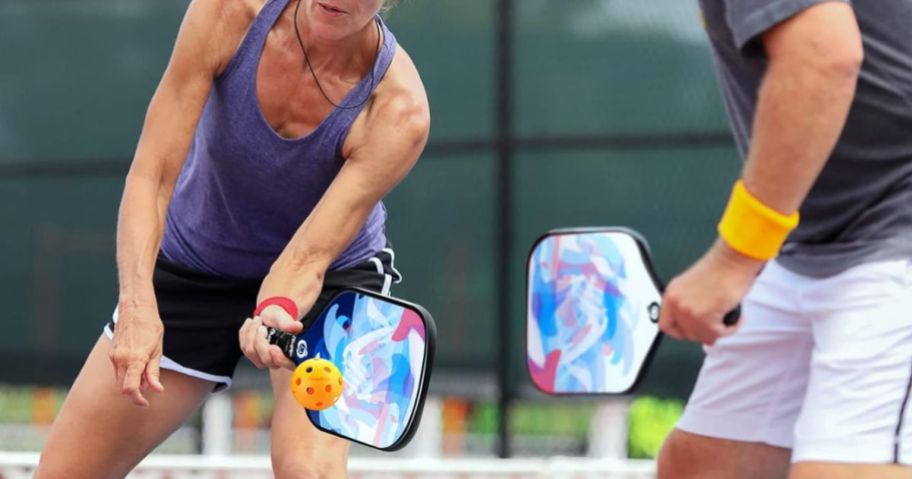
column 314, row 74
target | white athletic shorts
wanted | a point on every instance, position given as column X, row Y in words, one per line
column 820, row 365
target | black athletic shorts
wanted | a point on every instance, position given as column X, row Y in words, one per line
column 202, row 313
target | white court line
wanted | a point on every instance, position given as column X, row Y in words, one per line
column 538, row 468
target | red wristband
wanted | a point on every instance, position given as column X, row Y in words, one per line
column 283, row 302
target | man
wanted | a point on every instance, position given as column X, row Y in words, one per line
column 814, row 381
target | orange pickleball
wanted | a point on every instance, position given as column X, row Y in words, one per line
column 316, row 384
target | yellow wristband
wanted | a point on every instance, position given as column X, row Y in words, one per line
column 752, row 228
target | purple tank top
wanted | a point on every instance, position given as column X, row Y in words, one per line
column 244, row 190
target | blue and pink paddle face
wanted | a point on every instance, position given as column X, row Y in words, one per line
column 382, row 348
column 592, row 308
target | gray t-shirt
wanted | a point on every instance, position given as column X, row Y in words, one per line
column 860, row 208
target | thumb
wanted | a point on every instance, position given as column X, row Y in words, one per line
column 277, row 317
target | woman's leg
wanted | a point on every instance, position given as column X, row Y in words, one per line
column 299, row 450
column 99, row 433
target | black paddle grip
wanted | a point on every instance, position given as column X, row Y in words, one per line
column 285, row 341
column 732, row 317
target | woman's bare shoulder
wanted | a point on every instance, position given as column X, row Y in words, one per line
column 399, row 104
column 402, row 87
column 234, row 18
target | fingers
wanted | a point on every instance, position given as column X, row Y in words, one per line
column 683, row 323
column 119, row 369
column 130, row 386
column 130, row 372
column 262, row 346
column 667, row 323
column 136, row 352
column 280, row 359
column 682, row 327
column 248, row 341
column 278, row 318
column 671, row 328
column 253, row 334
column 276, row 358
column 255, row 346
column 153, row 373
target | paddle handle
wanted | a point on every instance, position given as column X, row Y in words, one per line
column 731, row 318
column 285, row 341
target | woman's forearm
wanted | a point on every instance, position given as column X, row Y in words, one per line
column 298, row 272
column 139, row 232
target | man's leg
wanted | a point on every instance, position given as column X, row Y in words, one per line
column 299, row 450
column 816, row 470
column 99, row 433
column 685, row 455
column 855, row 421
column 740, row 418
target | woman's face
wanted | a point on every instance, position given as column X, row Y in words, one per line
column 337, row 19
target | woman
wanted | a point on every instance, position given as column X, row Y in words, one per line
column 275, row 132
